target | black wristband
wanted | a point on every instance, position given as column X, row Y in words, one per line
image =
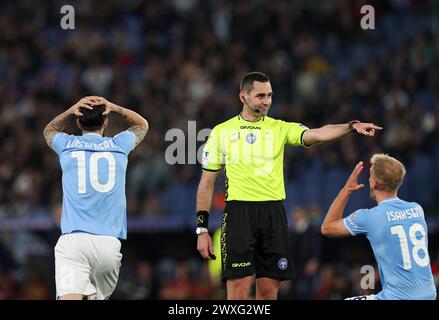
column 203, row 219
column 351, row 125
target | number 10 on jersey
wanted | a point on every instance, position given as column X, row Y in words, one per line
column 93, row 170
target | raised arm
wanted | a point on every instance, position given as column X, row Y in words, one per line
column 333, row 225
column 137, row 124
column 332, row 132
column 204, row 202
column 60, row 122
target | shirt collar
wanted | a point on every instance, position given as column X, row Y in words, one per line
column 92, row 134
column 389, row 199
column 257, row 121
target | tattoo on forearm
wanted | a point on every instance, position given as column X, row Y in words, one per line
column 134, row 121
column 139, row 132
column 124, row 113
column 56, row 125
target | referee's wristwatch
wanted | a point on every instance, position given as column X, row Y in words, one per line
column 201, row 230
column 351, row 125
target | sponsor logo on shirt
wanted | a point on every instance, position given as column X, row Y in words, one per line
column 250, row 127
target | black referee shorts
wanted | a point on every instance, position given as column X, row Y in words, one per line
column 255, row 240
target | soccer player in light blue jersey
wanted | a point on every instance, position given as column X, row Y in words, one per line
column 87, row 255
column 396, row 230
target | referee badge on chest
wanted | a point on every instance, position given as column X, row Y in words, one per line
column 250, row 138
column 234, row 137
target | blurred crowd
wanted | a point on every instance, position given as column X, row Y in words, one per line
column 176, row 61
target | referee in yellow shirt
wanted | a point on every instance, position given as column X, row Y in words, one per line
column 254, row 231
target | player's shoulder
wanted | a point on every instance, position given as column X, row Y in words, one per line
column 398, row 202
column 126, row 140
column 413, row 204
column 121, row 134
column 64, row 138
column 60, row 140
column 416, row 206
column 362, row 217
column 364, row 212
column 63, row 135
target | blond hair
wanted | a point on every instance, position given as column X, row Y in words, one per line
column 388, row 171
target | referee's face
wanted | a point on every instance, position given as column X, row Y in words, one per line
column 258, row 99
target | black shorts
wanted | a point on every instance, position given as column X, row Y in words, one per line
column 255, row 240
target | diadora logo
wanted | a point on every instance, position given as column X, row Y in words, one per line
column 241, row 264
column 250, row 127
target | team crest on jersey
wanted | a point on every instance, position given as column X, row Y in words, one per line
column 250, row 138
column 282, row 263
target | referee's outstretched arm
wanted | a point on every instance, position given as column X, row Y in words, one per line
column 204, row 202
column 332, row 132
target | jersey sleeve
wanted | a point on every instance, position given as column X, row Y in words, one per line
column 358, row 222
column 212, row 158
column 126, row 140
column 294, row 133
column 59, row 141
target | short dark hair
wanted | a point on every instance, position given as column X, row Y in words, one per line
column 92, row 119
column 249, row 78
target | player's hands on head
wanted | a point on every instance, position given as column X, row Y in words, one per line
column 102, row 101
column 367, row 129
column 352, row 184
column 204, row 246
column 91, row 101
column 83, row 103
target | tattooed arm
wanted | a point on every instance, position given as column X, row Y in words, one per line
column 59, row 123
column 138, row 125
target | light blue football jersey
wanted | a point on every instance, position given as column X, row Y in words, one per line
column 398, row 235
column 93, row 182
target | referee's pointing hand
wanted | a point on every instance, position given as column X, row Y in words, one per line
column 367, row 129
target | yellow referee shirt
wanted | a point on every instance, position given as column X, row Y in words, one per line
column 252, row 154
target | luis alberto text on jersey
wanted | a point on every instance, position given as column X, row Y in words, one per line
column 93, row 182
column 252, row 153
column 397, row 232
